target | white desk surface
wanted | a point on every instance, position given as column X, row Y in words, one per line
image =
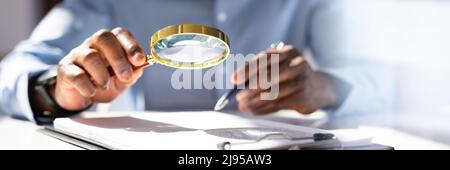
column 18, row 134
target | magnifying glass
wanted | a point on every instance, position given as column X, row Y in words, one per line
column 188, row 46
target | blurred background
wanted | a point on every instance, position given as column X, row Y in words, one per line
column 18, row 18
column 410, row 37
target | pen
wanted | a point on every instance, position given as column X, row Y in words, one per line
column 316, row 137
column 225, row 98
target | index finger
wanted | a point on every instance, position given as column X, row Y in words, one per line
column 284, row 53
column 106, row 42
column 135, row 53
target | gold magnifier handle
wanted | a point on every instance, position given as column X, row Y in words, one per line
column 150, row 60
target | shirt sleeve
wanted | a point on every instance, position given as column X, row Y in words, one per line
column 65, row 27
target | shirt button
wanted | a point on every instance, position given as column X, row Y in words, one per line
column 221, row 17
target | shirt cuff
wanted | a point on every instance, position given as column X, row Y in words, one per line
column 349, row 96
column 23, row 99
column 23, row 102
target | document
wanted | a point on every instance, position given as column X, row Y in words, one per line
column 183, row 131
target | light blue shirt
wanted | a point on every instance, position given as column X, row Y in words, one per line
column 252, row 25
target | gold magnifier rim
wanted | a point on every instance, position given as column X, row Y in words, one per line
column 189, row 29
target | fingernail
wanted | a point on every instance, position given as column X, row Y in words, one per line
column 106, row 85
column 135, row 51
column 94, row 92
column 233, row 78
column 138, row 55
column 138, row 58
column 126, row 74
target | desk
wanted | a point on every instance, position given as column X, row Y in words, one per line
column 18, row 134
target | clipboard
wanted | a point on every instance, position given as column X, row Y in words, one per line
column 297, row 143
column 79, row 141
column 87, row 144
column 161, row 131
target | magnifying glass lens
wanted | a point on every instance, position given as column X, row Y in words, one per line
column 190, row 48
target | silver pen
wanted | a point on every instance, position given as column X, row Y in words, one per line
column 225, row 98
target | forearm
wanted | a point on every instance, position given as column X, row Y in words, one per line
column 41, row 92
column 370, row 89
column 45, row 49
column 334, row 90
column 17, row 68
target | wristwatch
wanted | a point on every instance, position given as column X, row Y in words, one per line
column 43, row 104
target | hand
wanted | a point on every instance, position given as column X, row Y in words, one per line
column 98, row 70
column 300, row 88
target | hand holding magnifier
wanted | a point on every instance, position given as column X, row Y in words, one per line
column 106, row 63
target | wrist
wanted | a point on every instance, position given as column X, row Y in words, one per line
column 42, row 96
column 335, row 91
column 328, row 93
